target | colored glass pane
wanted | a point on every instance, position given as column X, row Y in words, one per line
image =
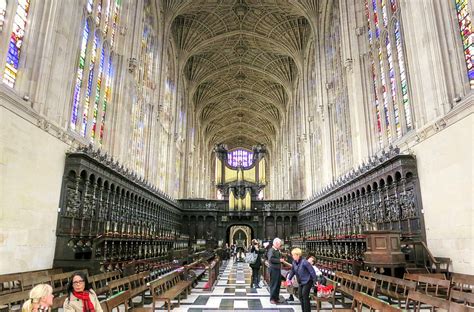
column 79, row 75
column 467, row 37
column 90, row 80
column 16, row 40
column 97, row 93
column 403, row 78
column 240, row 157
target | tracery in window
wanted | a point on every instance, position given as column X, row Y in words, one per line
column 240, row 157
column 16, row 40
column 466, row 30
column 142, row 102
column 3, row 10
column 391, row 103
column 94, row 75
column 337, row 95
column 166, row 120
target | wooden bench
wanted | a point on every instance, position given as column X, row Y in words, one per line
column 418, row 298
column 415, row 277
column 392, row 287
column 346, row 284
column 10, row 283
column 462, row 297
column 59, row 282
column 362, row 300
column 99, row 282
column 457, row 307
column 13, row 301
column 118, row 286
column 463, row 282
column 114, row 302
column 167, row 288
column 138, row 285
column 434, row 286
column 196, row 270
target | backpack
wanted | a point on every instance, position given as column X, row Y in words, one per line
column 251, row 257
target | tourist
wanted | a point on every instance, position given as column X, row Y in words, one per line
column 81, row 297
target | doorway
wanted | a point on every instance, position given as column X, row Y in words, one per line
column 240, row 235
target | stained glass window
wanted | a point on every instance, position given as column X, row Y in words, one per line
column 240, row 157
column 94, row 74
column 337, row 91
column 466, row 29
column 16, row 41
column 3, row 10
column 141, row 109
column 391, row 103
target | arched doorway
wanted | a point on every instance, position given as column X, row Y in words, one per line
column 240, row 235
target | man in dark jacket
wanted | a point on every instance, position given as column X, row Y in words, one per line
column 275, row 259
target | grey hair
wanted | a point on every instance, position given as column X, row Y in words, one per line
column 276, row 240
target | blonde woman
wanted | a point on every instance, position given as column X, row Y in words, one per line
column 305, row 275
column 41, row 299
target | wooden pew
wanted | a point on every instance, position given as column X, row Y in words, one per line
column 463, row 297
column 13, row 301
column 115, row 302
column 457, row 307
column 138, row 285
column 59, row 282
column 434, row 286
column 165, row 289
column 362, row 301
column 348, row 284
column 392, row 287
column 10, row 283
column 99, row 282
column 418, row 298
column 463, row 282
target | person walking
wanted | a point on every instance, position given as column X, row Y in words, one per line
column 275, row 259
column 305, row 275
column 255, row 281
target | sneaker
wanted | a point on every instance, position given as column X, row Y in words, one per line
column 273, row 301
column 291, row 298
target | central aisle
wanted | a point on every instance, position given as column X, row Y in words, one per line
column 232, row 292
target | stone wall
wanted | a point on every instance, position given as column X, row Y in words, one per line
column 31, row 169
column 445, row 170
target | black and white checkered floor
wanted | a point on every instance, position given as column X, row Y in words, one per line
column 232, row 292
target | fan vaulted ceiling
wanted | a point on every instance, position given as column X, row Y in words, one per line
column 241, row 60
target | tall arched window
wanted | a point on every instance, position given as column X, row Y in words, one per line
column 19, row 25
column 467, row 36
column 142, row 102
column 337, row 93
column 93, row 82
column 391, row 103
column 166, row 118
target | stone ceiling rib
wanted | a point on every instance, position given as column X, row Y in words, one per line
column 241, row 60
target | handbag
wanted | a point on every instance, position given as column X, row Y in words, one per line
column 251, row 257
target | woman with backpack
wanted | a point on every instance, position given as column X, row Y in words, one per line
column 255, row 281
